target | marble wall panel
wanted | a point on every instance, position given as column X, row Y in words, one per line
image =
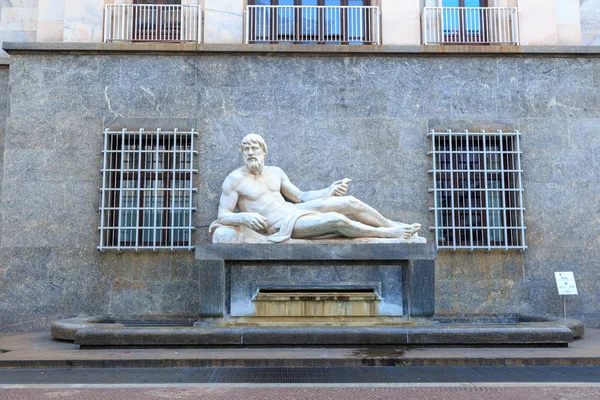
column 4, row 95
column 19, row 18
column 537, row 22
column 590, row 22
column 324, row 118
column 83, row 20
column 223, row 21
column 401, row 22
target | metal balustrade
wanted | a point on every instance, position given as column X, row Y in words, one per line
column 477, row 190
column 313, row 24
column 470, row 25
column 152, row 23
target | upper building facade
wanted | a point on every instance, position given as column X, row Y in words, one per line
column 385, row 22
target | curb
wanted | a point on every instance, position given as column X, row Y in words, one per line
column 248, row 363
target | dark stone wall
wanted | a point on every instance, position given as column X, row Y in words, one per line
column 324, row 118
column 3, row 114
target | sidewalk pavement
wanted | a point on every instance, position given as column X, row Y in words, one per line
column 39, row 350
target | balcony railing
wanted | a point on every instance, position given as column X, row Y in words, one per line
column 312, row 24
column 470, row 25
column 152, row 23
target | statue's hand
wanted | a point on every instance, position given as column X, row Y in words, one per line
column 254, row 221
column 338, row 188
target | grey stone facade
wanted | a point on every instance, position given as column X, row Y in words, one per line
column 324, row 117
column 3, row 114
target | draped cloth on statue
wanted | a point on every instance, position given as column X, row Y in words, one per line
column 280, row 226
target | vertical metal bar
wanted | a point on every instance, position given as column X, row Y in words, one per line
column 451, row 150
column 515, row 24
column 459, row 25
column 173, row 175
column 520, row 172
column 505, row 28
column 264, row 21
column 487, row 20
column 121, row 189
column 273, row 25
column 503, row 189
column 191, row 174
column 436, row 202
column 104, row 188
column 122, row 33
column 199, row 24
column 139, row 223
column 182, row 18
column 485, row 183
column 440, row 32
column 469, row 176
column 163, row 16
column 107, row 20
column 424, row 26
column 155, row 188
column 247, row 26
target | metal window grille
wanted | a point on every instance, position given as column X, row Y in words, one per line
column 147, row 190
column 477, row 190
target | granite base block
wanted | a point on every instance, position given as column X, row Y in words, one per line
column 556, row 333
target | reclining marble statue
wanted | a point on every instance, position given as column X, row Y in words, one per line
column 271, row 209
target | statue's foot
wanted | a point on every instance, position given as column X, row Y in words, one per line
column 411, row 230
column 403, row 232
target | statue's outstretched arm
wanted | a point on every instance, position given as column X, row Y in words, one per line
column 292, row 193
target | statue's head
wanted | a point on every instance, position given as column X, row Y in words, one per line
column 254, row 152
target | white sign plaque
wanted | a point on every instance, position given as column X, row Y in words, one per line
column 566, row 283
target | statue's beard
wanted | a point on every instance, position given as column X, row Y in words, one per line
column 255, row 166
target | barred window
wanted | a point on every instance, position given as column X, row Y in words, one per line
column 477, row 190
column 147, row 190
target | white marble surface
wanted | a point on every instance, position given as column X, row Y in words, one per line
column 590, row 22
column 51, row 10
column 567, row 12
column 223, row 21
column 18, row 19
column 83, row 20
column 401, row 22
column 537, row 23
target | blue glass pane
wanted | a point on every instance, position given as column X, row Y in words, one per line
column 356, row 3
column 450, row 3
column 332, row 2
column 472, row 3
column 286, row 2
column 309, row 2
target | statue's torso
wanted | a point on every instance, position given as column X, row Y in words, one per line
column 262, row 194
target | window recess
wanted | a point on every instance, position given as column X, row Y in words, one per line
column 147, row 190
column 477, row 190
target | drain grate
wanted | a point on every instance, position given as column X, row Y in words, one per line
column 291, row 375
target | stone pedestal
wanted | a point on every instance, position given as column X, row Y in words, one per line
column 403, row 275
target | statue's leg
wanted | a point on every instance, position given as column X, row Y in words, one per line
column 309, row 226
column 350, row 206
